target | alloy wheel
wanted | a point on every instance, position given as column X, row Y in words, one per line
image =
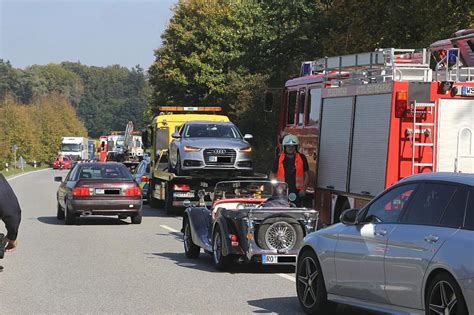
column 307, row 282
column 443, row 299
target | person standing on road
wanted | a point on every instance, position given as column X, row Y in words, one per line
column 10, row 213
column 292, row 167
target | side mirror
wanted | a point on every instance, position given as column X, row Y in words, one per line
column 145, row 142
column 248, row 136
column 268, row 102
column 349, row 216
column 175, row 135
column 58, row 178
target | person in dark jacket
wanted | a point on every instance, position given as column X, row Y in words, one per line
column 10, row 213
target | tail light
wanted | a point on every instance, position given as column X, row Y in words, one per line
column 234, row 240
column 81, row 191
column 401, row 103
column 145, row 179
column 133, row 192
column 181, row 187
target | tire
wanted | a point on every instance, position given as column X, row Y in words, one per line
column 137, row 218
column 70, row 218
column 221, row 262
column 266, row 233
column 452, row 298
column 168, row 201
column 60, row 212
column 191, row 249
column 179, row 170
column 310, row 286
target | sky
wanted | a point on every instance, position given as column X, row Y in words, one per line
column 93, row 32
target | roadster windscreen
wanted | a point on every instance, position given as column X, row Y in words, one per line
column 250, row 189
column 212, row 131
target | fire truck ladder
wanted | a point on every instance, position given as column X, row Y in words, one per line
column 422, row 128
column 471, row 149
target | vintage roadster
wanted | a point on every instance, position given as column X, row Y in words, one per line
column 249, row 221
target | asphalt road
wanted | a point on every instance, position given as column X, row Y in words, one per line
column 107, row 265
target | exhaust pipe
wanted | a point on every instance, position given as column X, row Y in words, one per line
column 87, row 213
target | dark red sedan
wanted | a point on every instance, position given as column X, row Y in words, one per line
column 62, row 162
column 99, row 189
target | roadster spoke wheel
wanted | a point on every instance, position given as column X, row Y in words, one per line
column 443, row 299
column 307, row 281
column 281, row 235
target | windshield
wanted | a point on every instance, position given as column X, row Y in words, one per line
column 103, row 171
column 212, row 131
column 70, row 147
column 250, row 189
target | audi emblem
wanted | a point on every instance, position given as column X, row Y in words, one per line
column 219, row 151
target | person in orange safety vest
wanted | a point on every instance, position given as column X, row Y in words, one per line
column 292, row 167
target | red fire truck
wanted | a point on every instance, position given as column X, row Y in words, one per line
column 367, row 120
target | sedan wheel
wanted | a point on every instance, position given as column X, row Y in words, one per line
column 445, row 297
column 310, row 284
column 70, row 218
column 60, row 212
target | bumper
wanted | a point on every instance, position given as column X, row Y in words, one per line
column 106, row 207
column 197, row 161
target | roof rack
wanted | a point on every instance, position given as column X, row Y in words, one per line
column 381, row 65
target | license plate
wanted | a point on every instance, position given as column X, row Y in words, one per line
column 99, row 191
column 213, row 159
column 467, row 91
column 269, row 259
column 183, row 195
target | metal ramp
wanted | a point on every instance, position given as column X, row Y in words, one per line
column 419, row 130
column 378, row 66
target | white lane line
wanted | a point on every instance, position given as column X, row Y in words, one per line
column 169, row 229
column 23, row 174
column 287, row 277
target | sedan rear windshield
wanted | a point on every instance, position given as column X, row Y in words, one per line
column 103, row 171
column 212, row 131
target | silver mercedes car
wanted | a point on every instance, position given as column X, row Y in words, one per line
column 410, row 250
column 204, row 145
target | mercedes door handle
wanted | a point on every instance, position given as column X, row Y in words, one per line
column 431, row 238
column 380, row 232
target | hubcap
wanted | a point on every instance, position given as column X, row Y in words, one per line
column 307, row 275
column 443, row 300
column 280, row 235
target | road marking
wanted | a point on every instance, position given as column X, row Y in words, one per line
column 23, row 174
column 287, row 277
column 169, row 229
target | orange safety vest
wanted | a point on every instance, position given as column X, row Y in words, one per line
column 280, row 175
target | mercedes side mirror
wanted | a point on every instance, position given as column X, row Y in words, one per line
column 58, row 178
column 248, row 136
column 349, row 216
column 175, row 135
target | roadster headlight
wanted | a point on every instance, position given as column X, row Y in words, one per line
column 246, row 150
column 188, row 148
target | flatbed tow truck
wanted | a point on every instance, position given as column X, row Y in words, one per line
column 168, row 190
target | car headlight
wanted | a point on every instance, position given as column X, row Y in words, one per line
column 246, row 150
column 188, row 148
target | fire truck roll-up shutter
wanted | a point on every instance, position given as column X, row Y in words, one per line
column 334, row 144
column 369, row 144
column 456, row 136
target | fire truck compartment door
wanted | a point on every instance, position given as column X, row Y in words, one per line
column 369, row 144
column 455, row 115
column 334, row 145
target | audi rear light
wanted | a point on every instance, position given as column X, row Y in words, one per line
column 81, row 191
column 181, row 187
column 133, row 192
